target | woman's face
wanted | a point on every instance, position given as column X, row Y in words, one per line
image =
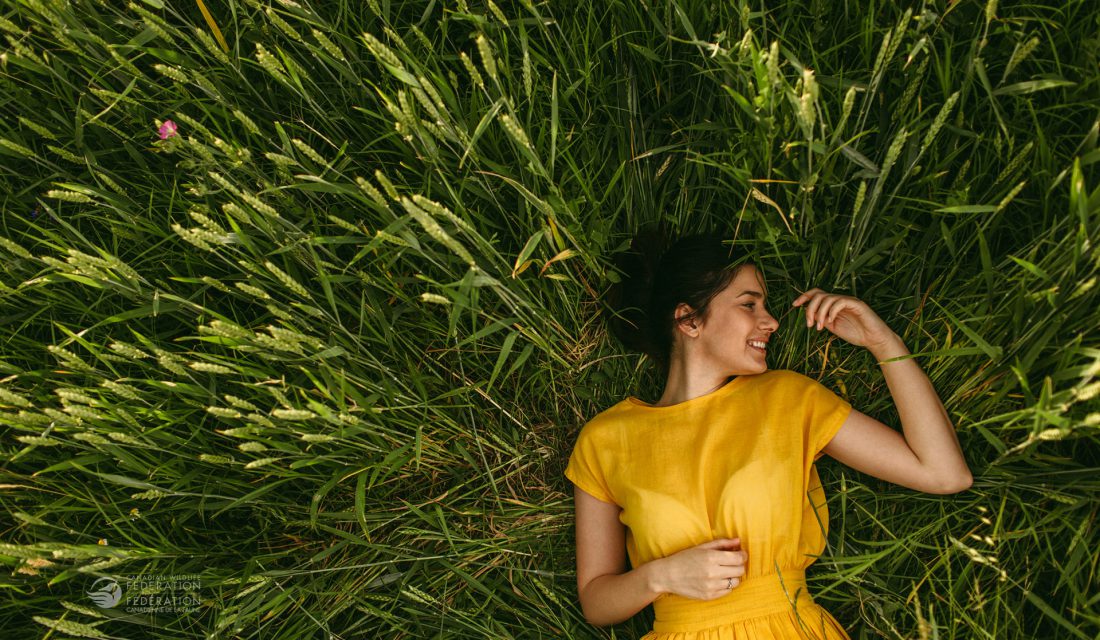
column 733, row 338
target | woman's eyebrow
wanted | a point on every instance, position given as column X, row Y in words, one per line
column 755, row 294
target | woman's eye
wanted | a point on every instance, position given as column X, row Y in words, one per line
column 749, row 305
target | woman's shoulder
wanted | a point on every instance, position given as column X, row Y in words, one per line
column 785, row 382
column 611, row 417
column 782, row 378
column 606, row 424
column 791, row 387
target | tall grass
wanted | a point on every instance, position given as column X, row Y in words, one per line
column 329, row 346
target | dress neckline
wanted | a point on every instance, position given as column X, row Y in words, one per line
column 698, row 399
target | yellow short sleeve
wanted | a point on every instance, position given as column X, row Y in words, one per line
column 589, row 462
column 825, row 414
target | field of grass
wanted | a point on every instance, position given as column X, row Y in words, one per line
column 328, row 346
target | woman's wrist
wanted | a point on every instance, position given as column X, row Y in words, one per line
column 654, row 576
column 890, row 347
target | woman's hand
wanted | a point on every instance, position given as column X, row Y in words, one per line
column 848, row 317
column 702, row 572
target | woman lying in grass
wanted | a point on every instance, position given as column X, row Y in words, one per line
column 712, row 490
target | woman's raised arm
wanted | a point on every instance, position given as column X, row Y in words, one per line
column 928, row 456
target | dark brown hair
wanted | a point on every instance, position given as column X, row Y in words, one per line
column 657, row 277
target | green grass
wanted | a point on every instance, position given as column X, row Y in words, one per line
column 329, row 347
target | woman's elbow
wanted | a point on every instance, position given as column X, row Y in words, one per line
column 594, row 616
column 947, row 485
column 965, row 482
column 588, row 609
column 595, row 622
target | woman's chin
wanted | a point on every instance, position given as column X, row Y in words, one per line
column 752, row 371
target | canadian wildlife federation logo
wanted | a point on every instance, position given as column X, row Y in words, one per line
column 148, row 593
column 105, row 593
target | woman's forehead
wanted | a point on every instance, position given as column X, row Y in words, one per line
column 749, row 279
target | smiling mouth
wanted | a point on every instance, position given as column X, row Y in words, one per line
column 756, row 345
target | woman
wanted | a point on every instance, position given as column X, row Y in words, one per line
column 712, row 490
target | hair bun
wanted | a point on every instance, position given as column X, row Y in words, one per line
column 629, row 300
column 657, row 276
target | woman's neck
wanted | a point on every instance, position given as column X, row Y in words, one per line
column 684, row 384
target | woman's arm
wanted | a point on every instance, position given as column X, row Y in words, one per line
column 607, row 594
column 610, row 594
column 928, row 456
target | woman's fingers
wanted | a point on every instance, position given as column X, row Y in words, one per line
column 720, row 588
column 734, row 580
column 722, row 543
column 812, row 308
column 822, row 314
column 822, row 308
column 735, row 571
column 861, row 326
column 731, row 558
column 802, row 299
column 846, row 303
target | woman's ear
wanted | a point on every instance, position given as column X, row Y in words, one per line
column 689, row 327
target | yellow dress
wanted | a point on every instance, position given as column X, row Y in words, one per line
column 737, row 462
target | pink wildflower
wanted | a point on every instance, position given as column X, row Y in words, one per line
column 167, row 130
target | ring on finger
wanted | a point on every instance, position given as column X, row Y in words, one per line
column 729, row 584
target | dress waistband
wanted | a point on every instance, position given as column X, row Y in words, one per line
column 762, row 595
